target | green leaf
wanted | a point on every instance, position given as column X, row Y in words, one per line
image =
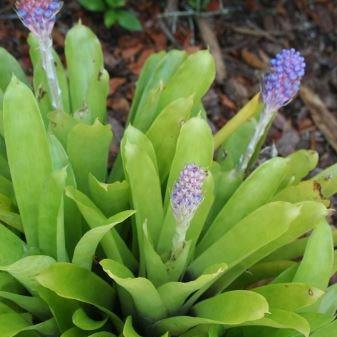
column 86, row 247
column 255, row 231
column 88, row 150
column 110, row 18
column 142, row 175
column 163, row 68
column 61, row 308
column 116, row 3
column 289, row 296
column 327, row 180
column 167, row 127
column 85, row 67
column 255, row 191
column 129, row 20
column 9, row 67
column 193, row 77
column 11, row 324
column 145, row 296
column 51, row 217
column 113, row 246
column 34, row 305
column 72, row 217
column 84, row 322
column 12, row 248
column 93, row 5
column 26, row 270
column 28, row 153
column 128, row 330
column 317, row 263
column 73, row 282
column 110, row 198
column 147, row 72
column 278, row 320
column 174, row 294
column 230, row 308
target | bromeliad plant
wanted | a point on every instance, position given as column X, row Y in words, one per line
column 179, row 240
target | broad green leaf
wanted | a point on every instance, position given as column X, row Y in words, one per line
column 110, row 198
column 73, row 282
column 261, row 271
column 233, row 307
column 167, row 127
column 147, row 72
column 128, row 330
column 26, row 269
column 84, row 322
column 327, row 304
column 86, row 247
column 255, row 191
column 34, row 305
column 317, row 263
column 278, row 320
column 88, row 150
column 194, row 134
column 155, row 269
column 230, row 308
column 85, row 64
column 61, row 124
column 327, row 180
column 255, row 231
column 9, row 67
column 61, row 308
column 110, row 18
column 326, row 331
column 142, row 176
column 300, row 164
column 194, row 77
column 311, row 213
column 289, row 296
column 93, row 5
column 12, row 248
column 145, row 296
column 305, row 190
column 28, row 153
column 113, row 246
column 174, row 294
column 72, row 217
column 51, row 229
column 129, row 20
column 11, row 219
column 165, row 68
column 11, row 324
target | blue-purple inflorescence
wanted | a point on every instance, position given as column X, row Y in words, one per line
column 283, row 81
column 38, row 15
column 187, row 193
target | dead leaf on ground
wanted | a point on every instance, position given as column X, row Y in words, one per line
column 322, row 117
column 252, row 60
column 115, row 83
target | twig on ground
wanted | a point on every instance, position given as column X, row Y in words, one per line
column 210, row 39
column 322, row 117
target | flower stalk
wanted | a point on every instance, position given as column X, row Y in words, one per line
column 279, row 87
column 39, row 17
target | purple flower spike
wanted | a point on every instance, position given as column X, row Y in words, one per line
column 187, row 193
column 282, row 83
column 38, row 15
